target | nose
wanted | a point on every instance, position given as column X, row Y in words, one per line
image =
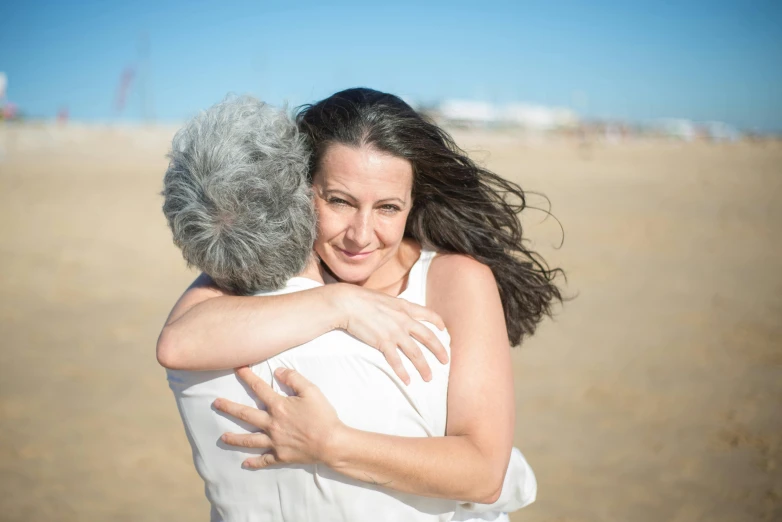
column 360, row 230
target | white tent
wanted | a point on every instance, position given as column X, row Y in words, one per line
column 538, row 116
column 468, row 112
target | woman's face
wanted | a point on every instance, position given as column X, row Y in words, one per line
column 362, row 197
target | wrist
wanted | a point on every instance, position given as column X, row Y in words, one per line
column 335, row 297
column 335, row 451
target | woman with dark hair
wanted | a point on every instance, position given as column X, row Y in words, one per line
column 458, row 207
column 402, row 211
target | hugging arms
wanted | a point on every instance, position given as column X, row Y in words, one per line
column 384, row 182
column 480, row 404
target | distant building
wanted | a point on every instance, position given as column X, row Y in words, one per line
column 478, row 113
column 685, row 130
column 719, row 131
column 466, row 112
column 689, row 130
column 539, row 117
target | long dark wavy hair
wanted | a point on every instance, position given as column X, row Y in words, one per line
column 458, row 207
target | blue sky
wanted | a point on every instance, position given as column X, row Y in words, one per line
column 635, row 60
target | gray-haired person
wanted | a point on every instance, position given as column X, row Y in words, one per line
column 236, row 196
column 240, row 209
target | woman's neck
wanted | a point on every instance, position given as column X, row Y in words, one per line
column 391, row 278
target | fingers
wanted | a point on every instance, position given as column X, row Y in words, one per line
column 247, row 440
column 260, row 387
column 391, row 354
column 421, row 313
column 260, row 462
column 413, row 352
column 296, row 381
column 427, row 337
column 249, row 415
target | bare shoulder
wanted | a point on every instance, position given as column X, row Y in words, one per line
column 458, row 271
column 456, row 278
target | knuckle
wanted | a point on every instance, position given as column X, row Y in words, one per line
column 398, row 315
column 412, row 350
column 283, row 455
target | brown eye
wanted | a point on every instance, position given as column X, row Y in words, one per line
column 337, row 201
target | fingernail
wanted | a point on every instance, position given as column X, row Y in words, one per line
column 216, row 403
column 245, row 465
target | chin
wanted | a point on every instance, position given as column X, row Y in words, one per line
column 347, row 271
column 350, row 273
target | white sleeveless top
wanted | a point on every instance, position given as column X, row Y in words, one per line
column 415, row 291
column 367, row 395
column 520, row 486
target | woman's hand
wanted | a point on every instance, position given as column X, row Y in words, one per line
column 297, row 429
column 390, row 324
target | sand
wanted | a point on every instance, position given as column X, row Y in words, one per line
column 654, row 395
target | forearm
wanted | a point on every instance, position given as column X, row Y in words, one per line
column 446, row 467
column 230, row 331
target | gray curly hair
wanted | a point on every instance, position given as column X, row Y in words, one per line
column 236, row 196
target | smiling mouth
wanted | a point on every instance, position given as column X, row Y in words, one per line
column 355, row 255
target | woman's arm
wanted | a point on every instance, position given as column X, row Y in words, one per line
column 469, row 463
column 211, row 330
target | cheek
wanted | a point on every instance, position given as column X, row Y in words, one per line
column 392, row 231
column 329, row 224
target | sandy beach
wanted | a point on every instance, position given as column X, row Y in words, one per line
column 654, row 395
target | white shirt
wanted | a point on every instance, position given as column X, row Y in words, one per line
column 367, row 395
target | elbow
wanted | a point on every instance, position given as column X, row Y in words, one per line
column 491, row 496
column 489, row 490
column 167, row 350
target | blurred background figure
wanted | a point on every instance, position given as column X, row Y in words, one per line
column 652, row 128
column 3, row 84
column 62, row 115
column 7, row 109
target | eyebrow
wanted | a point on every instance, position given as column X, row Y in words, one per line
column 327, row 192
